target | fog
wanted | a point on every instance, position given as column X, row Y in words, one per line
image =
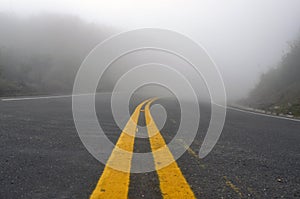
column 41, row 54
column 244, row 38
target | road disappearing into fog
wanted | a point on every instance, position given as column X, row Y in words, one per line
column 42, row 155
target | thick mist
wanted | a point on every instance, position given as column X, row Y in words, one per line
column 41, row 54
column 244, row 38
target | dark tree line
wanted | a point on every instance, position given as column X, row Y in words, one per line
column 41, row 54
column 279, row 88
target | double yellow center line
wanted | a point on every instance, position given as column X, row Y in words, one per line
column 115, row 184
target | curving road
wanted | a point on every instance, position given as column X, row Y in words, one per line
column 41, row 155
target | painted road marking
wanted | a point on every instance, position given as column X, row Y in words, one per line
column 233, row 187
column 114, row 183
column 263, row 114
column 171, row 181
column 42, row 97
column 256, row 113
column 66, row 96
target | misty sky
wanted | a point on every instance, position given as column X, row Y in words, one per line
column 244, row 37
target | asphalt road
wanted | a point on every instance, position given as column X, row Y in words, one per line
column 41, row 154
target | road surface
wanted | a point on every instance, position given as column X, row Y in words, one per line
column 42, row 156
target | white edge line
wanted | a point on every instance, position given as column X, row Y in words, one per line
column 256, row 113
column 227, row 107
column 42, row 97
column 263, row 114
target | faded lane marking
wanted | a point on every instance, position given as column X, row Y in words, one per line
column 233, row 187
column 114, row 183
column 172, row 182
column 191, row 152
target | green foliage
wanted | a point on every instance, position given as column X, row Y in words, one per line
column 280, row 87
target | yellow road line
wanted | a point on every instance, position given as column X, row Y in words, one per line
column 190, row 151
column 114, row 183
column 172, row 182
column 233, row 187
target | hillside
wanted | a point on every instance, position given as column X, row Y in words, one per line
column 279, row 89
column 41, row 54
